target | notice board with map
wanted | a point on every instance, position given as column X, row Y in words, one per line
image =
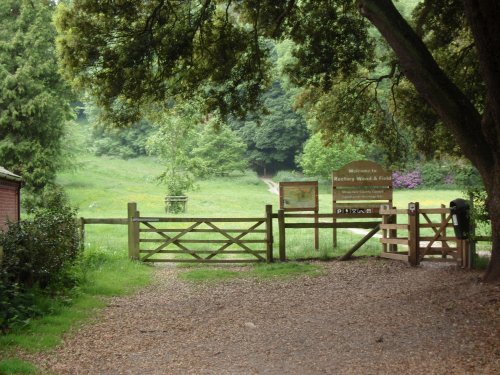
column 299, row 196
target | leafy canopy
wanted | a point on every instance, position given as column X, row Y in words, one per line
column 132, row 53
column 34, row 100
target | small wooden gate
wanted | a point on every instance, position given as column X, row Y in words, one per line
column 423, row 237
column 200, row 240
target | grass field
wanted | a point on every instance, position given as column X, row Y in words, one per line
column 102, row 186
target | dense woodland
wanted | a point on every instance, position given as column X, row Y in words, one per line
column 213, row 88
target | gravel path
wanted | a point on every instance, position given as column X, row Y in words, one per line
column 367, row 316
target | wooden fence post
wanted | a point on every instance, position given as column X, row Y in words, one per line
column 393, row 233
column 269, row 233
column 81, row 227
column 133, row 231
column 281, row 226
column 413, row 233
column 316, row 230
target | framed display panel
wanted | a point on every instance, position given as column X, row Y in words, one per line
column 360, row 188
column 299, row 196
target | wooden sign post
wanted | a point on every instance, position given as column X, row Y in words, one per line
column 358, row 190
column 301, row 196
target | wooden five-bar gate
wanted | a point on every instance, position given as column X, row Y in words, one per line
column 199, row 240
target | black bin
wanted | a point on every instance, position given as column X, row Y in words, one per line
column 460, row 216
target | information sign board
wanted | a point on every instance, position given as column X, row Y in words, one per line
column 299, row 196
column 364, row 182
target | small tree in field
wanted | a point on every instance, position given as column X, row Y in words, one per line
column 320, row 160
column 220, row 151
column 174, row 138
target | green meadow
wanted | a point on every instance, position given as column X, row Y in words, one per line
column 101, row 187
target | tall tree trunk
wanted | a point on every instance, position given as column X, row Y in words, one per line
column 484, row 20
column 478, row 136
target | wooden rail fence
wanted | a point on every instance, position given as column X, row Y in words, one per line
column 243, row 240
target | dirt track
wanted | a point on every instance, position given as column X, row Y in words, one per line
column 360, row 317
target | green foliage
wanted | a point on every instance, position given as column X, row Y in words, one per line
column 125, row 143
column 274, row 138
column 200, row 49
column 219, row 151
column 13, row 366
column 320, row 160
column 39, row 254
column 104, row 273
column 469, row 181
column 175, row 136
column 34, row 100
column 331, row 41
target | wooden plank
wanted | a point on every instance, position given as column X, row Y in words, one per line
column 413, row 233
column 395, row 256
column 393, row 211
column 269, row 233
column 198, row 220
column 435, row 225
column 281, row 227
column 361, row 173
column 394, row 241
column 161, row 230
column 394, row 226
column 434, row 210
column 161, row 260
column 360, row 224
column 146, row 251
column 440, row 238
column 132, row 231
column 155, row 240
column 120, row 221
column 439, row 249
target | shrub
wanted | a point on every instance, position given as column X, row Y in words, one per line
column 38, row 257
column 407, row 180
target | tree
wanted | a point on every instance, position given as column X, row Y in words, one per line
column 34, row 100
column 136, row 52
column 275, row 137
column 219, row 150
column 173, row 140
column 320, row 160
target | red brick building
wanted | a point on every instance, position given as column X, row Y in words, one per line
column 10, row 186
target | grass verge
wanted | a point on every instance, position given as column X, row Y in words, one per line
column 105, row 274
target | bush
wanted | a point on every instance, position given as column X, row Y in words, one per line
column 39, row 254
column 407, row 180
